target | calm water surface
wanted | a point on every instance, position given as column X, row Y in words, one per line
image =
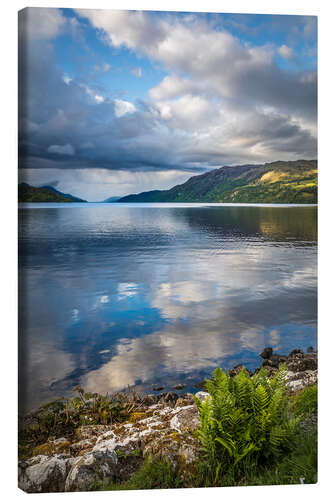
column 113, row 295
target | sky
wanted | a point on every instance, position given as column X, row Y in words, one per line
column 116, row 102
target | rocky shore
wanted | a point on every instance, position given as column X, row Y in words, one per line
column 162, row 425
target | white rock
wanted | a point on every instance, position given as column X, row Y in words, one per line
column 186, row 419
column 202, row 395
column 43, row 474
column 95, row 466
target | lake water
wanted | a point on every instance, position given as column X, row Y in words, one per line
column 151, row 295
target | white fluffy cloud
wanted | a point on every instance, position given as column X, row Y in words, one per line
column 285, row 52
column 123, row 107
column 222, row 92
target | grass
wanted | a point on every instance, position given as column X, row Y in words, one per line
column 154, row 474
column 305, row 402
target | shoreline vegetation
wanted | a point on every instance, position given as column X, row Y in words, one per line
column 241, row 428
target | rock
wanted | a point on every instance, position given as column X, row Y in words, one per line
column 169, row 397
column 89, row 431
column 200, row 385
column 83, row 445
column 43, row 474
column 267, row 353
column 310, row 349
column 188, row 396
column 181, row 402
column 302, row 363
column 178, row 449
column 148, row 400
column 295, row 352
column 187, row 419
column 160, row 388
column 297, row 381
column 202, row 395
column 95, row 467
column 275, row 361
column 179, row 387
column 237, row 369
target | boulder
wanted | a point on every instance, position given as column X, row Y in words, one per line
column 43, row 474
column 296, row 352
column 202, row 395
column 93, row 468
column 302, row 363
column 275, row 361
column 296, row 381
column 179, row 387
column 267, row 353
column 237, row 369
column 200, row 385
column 187, row 419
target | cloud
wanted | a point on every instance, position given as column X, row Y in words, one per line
column 243, row 324
column 218, row 101
column 67, row 149
column 67, row 79
column 99, row 184
column 216, row 62
column 123, row 107
column 286, row 52
column 92, row 93
column 128, row 28
column 41, row 24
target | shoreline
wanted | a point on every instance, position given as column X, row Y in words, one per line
column 63, row 444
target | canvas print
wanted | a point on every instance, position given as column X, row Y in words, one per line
column 167, row 250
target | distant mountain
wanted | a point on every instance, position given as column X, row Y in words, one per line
column 277, row 182
column 27, row 193
column 112, row 199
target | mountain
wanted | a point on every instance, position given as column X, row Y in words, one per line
column 65, row 195
column 112, row 199
column 276, row 182
column 27, row 193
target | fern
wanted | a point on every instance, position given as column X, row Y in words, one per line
column 245, row 419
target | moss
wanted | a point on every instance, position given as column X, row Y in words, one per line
column 175, row 436
column 51, row 448
column 61, row 447
column 43, row 449
column 119, row 430
column 137, row 416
